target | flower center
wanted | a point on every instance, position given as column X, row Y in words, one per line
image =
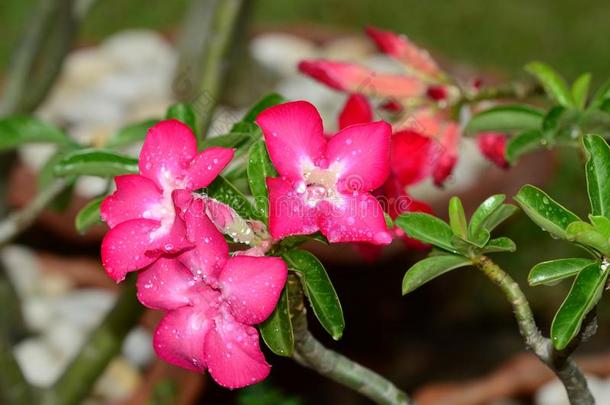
column 318, row 184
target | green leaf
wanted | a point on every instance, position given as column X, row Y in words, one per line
column 506, row 118
column 553, row 271
column 268, row 101
column 601, row 224
column 184, row 113
column 544, row 211
column 319, row 290
column 89, row 215
column 554, row 85
column 430, row 268
column 18, row 130
column 580, row 90
column 584, row 295
column 130, row 134
column 501, row 244
column 601, row 95
column 550, row 124
column 95, row 162
column 276, row 331
column 586, row 234
column 230, row 140
column 457, row 217
column 296, row 240
column 500, row 215
column 426, row 228
column 477, row 232
column 523, row 143
column 259, row 168
column 598, row 174
column 224, row 191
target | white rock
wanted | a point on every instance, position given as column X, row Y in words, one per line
column 84, row 307
column 65, row 338
column 553, row 393
column 54, row 284
column 138, row 348
column 89, row 186
column 40, row 365
column 84, row 67
column 133, row 49
column 35, row 155
column 348, row 48
column 22, row 268
column 280, row 52
column 118, row 381
column 38, row 313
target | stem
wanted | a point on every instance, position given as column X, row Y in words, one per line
column 558, row 361
column 102, row 346
column 310, row 353
column 507, row 91
column 214, row 50
column 18, row 221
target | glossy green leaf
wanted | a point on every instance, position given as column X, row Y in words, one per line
column 276, row 331
column 506, row 118
column 586, row 234
column 426, row 228
column 46, row 175
column 500, row 215
column 580, row 90
column 18, row 130
column 430, row 268
column 268, row 101
column 230, row 140
column 584, row 295
column 259, row 168
column 184, row 113
column 457, row 217
column 501, row 244
column 89, row 215
column 319, row 290
column 551, row 122
column 296, row 240
column 95, row 162
column 544, row 211
column 224, row 191
column 523, row 143
column 477, row 231
column 464, row 247
column 598, row 174
column 601, row 224
column 553, row 271
column 130, row 134
column 554, row 85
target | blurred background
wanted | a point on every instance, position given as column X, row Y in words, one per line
column 457, row 336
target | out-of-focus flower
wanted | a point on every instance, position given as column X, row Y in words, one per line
column 493, row 146
column 140, row 213
column 325, row 184
column 211, row 301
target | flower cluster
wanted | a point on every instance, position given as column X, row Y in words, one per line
column 210, row 300
column 421, row 97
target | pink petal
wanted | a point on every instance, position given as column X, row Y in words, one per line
column 134, row 196
column 252, row 285
column 180, row 336
column 358, row 217
column 233, row 355
column 357, row 110
column 167, row 153
column 294, row 136
column 363, row 153
column 399, row 47
column 211, row 251
column 127, row 247
column 166, row 284
column 450, row 137
column 493, row 146
column 354, row 78
column 412, row 156
column 207, row 166
column 288, row 213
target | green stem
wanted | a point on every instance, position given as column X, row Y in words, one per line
column 559, row 362
column 310, row 353
column 103, row 345
column 515, row 90
column 18, row 221
column 214, row 48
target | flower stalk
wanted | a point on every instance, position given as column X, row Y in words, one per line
column 558, row 361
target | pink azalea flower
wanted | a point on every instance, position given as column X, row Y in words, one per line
column 211, row 301
column 140, row 213
column 325, row 184
column 493, row 147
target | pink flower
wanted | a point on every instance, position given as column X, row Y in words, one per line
column 493, row 146
column 140, row 213
column 211, row 301
column 325, row 184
